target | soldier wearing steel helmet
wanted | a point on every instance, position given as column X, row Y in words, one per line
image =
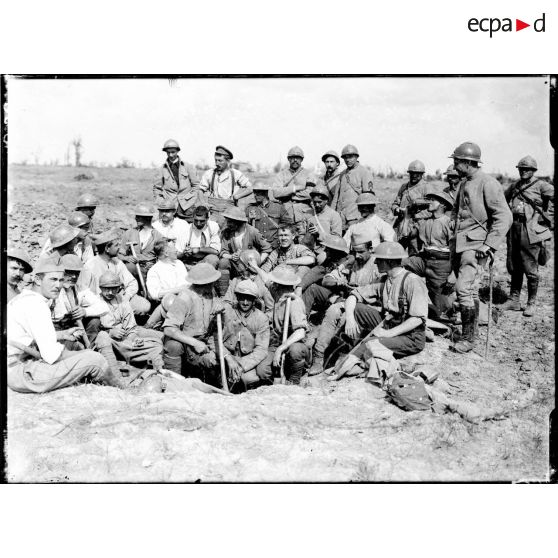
column 120, row 335
column 332, row 173
column 29, row 324
column 143, row 238
column 108, row 246
column 353, row 181
column 267, row 215
column 87, row 204
column 245, row 339
column 453, row 179
column 177, row 181
column 18, row 264
column 433, row 261
column 409, row 207
column 293, row 179
column 482, row 219
column 529, row 200
column 321, row 219
column 400, row 323
column 77, row 301
column 83, row 247
column 222, row 185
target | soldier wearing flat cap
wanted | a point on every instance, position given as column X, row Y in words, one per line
column 267, row 215
column 177, row 181
column 223, row 185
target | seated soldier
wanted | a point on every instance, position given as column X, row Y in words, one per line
column 369, row 227
column 62, row 240
column 120, row 335
column 77, row 302
column 170, row 226
column 203, row 241
column 168, row 275
column 188, row 348
column 314, row 294
column 264, row 301
column 108, row 245
column 37, row 362
column 433, row 260
column 400, row 325
column 237, row 235
column 296, row 355
column 159, row 315
column 297, row 256
column 245, row 340
column 322, row 220
column 18, row 265
column 267, row 215
column 143, row 238
column 83, row 246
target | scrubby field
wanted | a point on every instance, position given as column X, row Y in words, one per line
column 325, row 431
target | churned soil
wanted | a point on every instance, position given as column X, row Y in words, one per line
column 323, row 431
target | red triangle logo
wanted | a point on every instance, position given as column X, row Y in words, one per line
column 519, row 25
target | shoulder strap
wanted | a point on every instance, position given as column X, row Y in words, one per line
column 402, row 299
column 233, row 180
column 292, row 177
column 519, row 191
column 212, row 185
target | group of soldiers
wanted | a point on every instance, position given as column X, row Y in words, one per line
column 242, row 296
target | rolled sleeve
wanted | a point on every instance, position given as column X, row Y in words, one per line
column 298, row 315
column 417, row 296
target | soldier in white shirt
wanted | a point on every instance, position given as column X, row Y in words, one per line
column 223, row 185
column 370, row 227
column 168, row 275
column 204, row 240
column 170, row 227
column 30, row 325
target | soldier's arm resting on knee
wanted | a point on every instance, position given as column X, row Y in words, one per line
column 174, row 333
column 296, row 336
column 408, row 325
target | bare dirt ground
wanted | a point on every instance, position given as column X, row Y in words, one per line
column 345, row 431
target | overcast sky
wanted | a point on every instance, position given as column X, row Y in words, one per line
column 391, row 120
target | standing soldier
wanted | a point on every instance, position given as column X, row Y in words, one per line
column 267, row 215
column 18, row 265
column 332, row 174
column 353, row 181
column 29, row 324
column 453, row 180
column 529, row 200
column 482, row 219
column 409, row 207
column 370, row 227
column 292, row 180
column 178, row 182
column 143, row 237
column 224, row 185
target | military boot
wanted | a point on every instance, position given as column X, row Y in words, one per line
column 465, row 344
column 513, row 303
column 173, row 363
column 318, row 364
column 476, row 322
column 532, row 288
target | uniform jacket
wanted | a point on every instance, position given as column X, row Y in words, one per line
column 264, row 296
column 481, row 213
column 352, row 183
column 332, row 183
column 246, row 337
column 406, row 196
column 145, row 254
column 327, row 222
column 186, row 193
column 267, row 218
column 120, row 314
column 283, row 184
column 253, row 239
column 436, row 233
column 536, row 192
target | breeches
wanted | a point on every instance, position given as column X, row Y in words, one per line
column 36, row 376
column 522, row 257
column 468, row 270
